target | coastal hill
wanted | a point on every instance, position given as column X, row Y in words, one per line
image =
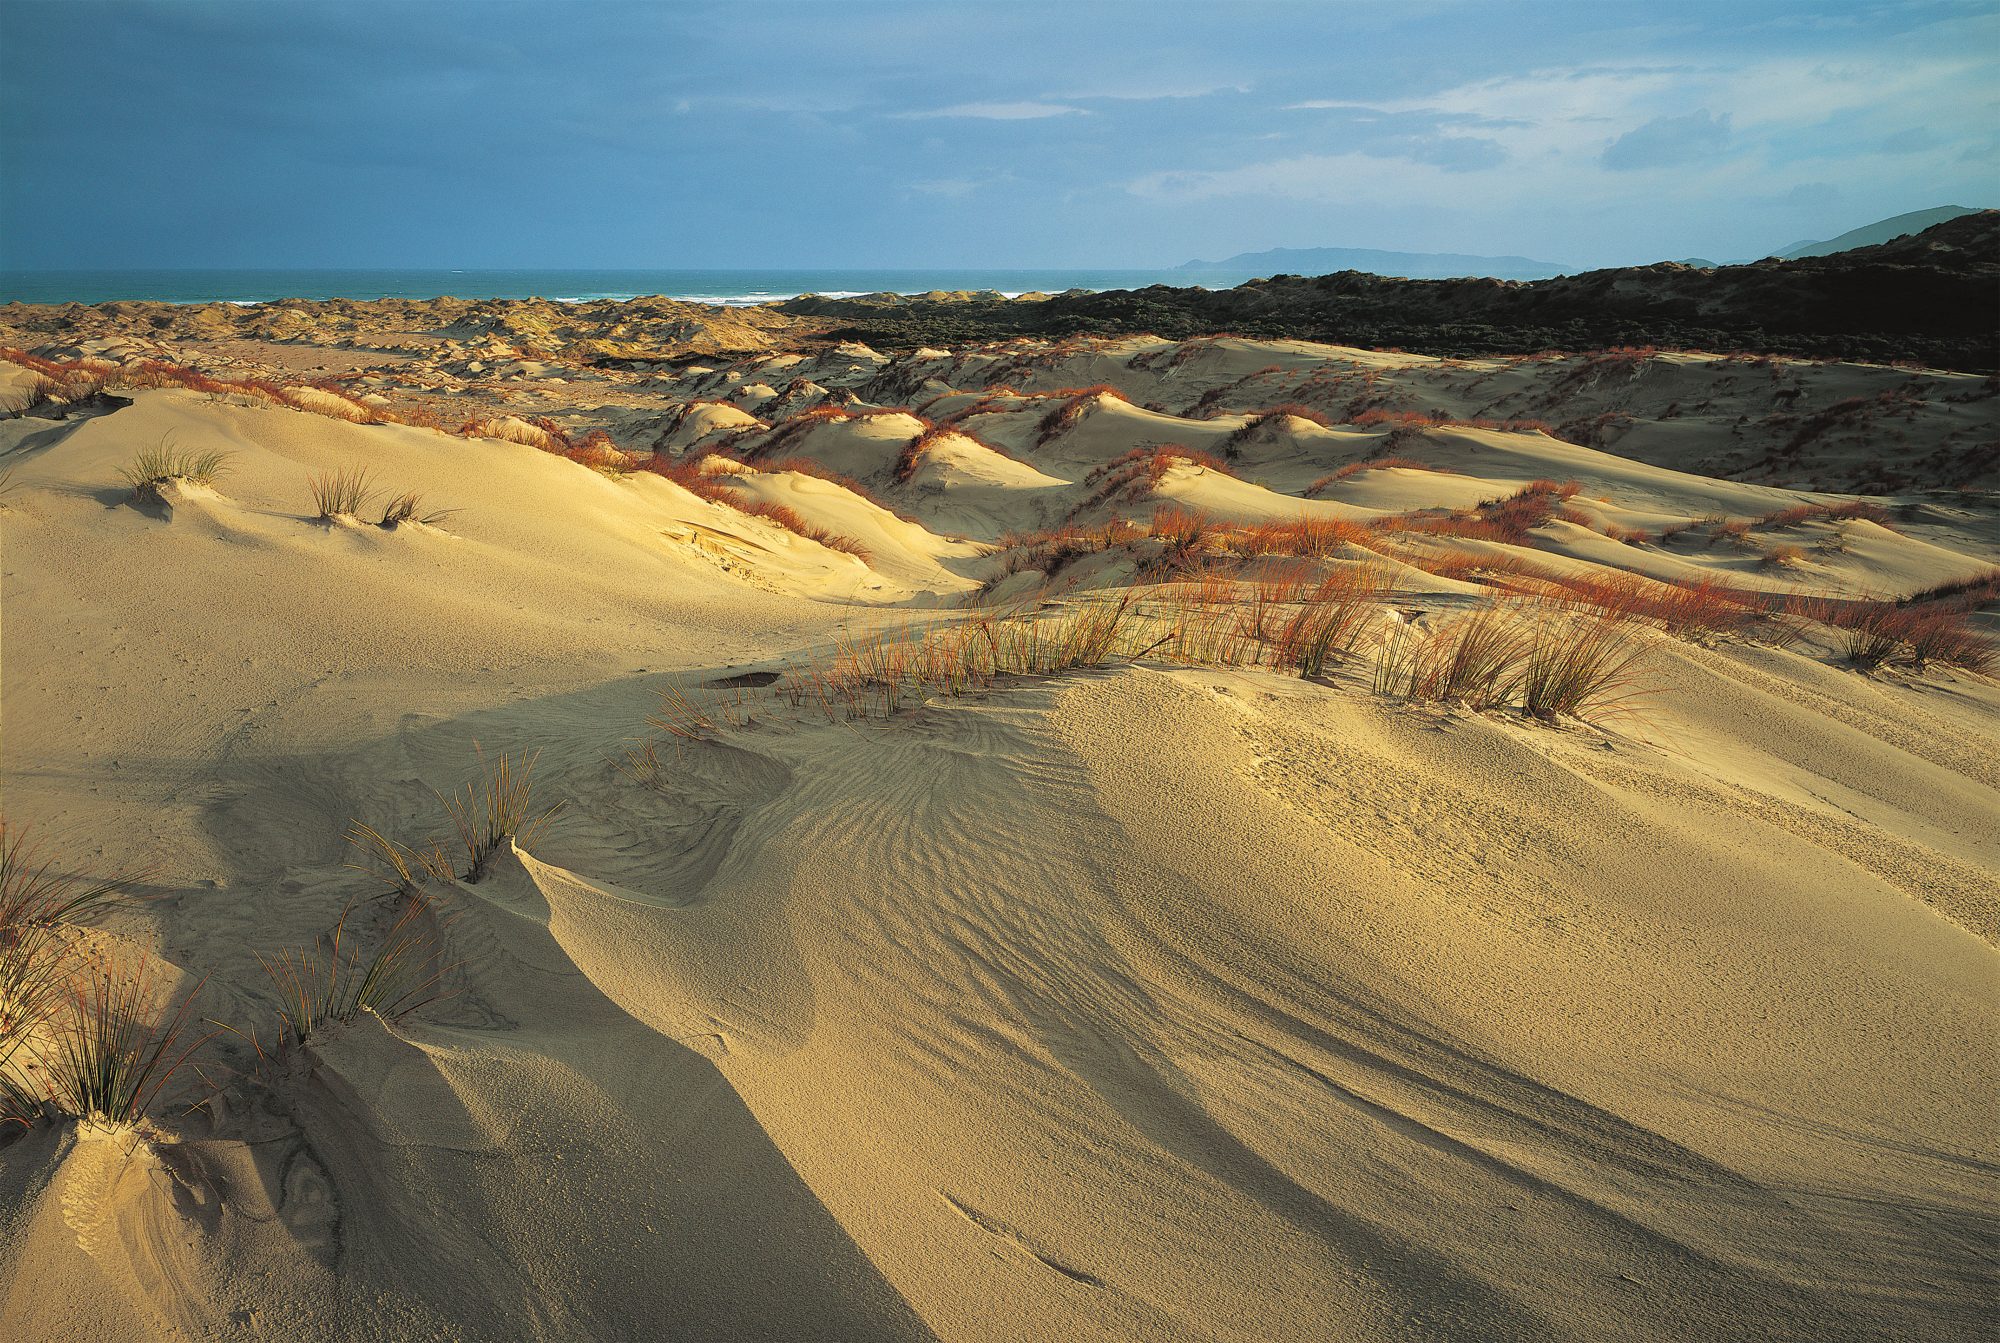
column 1458, row 265
column 1927, row 298
column 1881, row 231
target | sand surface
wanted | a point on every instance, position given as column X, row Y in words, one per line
column 1141, row 1002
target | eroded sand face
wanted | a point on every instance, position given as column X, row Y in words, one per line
column 1140, row 1002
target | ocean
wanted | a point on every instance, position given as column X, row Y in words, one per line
column 736, row 288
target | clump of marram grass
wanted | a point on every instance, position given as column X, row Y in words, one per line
column 877, row 673
column 1548, row 665
column 341, row 493
column 164, row 462
column 408, row 868
column 680, row 714
column 1473, row 660
column 116, row 1051
column 1330, row 620
column 409, row 507
column 1579, row 668
column 1687, row 609
column 1927, row 630
column 334, row 980
column 38, row 965
column 495, row 808
column 34, row 894
column 79, row 1035
column 485, row 813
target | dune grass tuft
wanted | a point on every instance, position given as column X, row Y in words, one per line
column 485, row 813
column 495, row 808
column 1330, row 620
column 1472, row 659
column 1550, row 665
column 334, row 980
column 1306, row 536
column 79, row 1033
column 1579, row 668
column 38, row 965
column 406, row 868
column 1924, row 631
column 409, row 507
column 33, row 893
column 682, row 715
column 155, row 466
column 1694, row 610
column 341, row 493
column 115, row 1052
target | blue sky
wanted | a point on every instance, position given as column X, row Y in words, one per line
column 493, row 134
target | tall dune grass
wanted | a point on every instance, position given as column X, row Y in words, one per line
column 40, row 967
column 1330, row 620
column 117, row 1050
column 408, row 506
column 1687, row 610
column 495, row 808
column 342, row 492
column 165, row 461
column 336, row 980
column 1580, row 668
column 1874, row 634
column 1548, row 664
column 82, row 1034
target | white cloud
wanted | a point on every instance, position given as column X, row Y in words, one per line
column 952, row 188
column 1149, row 92
column 1568, row 133
column 1021, row 111
column 1665, row 141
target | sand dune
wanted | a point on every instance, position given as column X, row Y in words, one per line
column 1168, row 997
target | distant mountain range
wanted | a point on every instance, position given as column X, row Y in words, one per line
column 1454, row 265
column 1409, row 265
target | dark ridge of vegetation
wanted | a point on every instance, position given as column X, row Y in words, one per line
column 1928, row 298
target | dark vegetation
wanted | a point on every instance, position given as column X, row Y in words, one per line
column 1928, row 298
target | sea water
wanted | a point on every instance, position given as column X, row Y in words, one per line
column 735, row 288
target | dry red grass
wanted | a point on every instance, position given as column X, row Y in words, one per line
column 1366, row 418
column 597, row 451
column 1321, row 485
column 1800, row 513
column 786, row 433
column 1509, row 520
column 913, row 452
column 1306, row 537
column 1129, row 478
column 80, row 379
column 1078, row 402
column 1471, row 567
column 1053, row 550
column 687, row 473
column 791, row 521
column 1917, row 632
column 1685, row 610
